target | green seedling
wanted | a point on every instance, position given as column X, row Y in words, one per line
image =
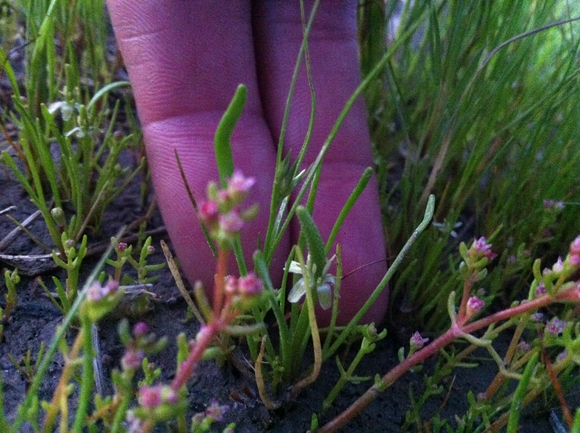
column 12, row 279
column 26, row 366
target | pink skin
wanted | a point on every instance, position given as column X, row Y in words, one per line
column 185, row 60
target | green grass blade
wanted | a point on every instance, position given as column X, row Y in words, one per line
column 519, row 394
column 358, row 190
column 223, row 134
column 313, row 239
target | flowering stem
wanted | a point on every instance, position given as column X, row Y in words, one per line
column 204, row 338
column 534, row 304
column 387, row 380
column 457, row 330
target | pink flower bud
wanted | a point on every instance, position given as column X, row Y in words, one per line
column 150, row 396
column 575, row 247
column 239, row 186
column 111, row 287
column 555, row 326
column 481, row 247
column 250, row 285
column 140, row 329
column 562, row 356
column 474, row 305
column 154, row 396
column 574, row 261
column 540, row 290
column 524, row 346
column 231, row 285
column 132, row 359
column 231, row 222
column 417, row 342
column 208, row 212
column 558, row 266
column 95, row 292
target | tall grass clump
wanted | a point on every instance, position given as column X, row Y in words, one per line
column 477, row 105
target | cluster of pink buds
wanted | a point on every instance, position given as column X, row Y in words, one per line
column 97, row 292
column 248, row 286
column 153, row 396
column 476, row 257
column 480, row 248
column 159, row 403
column 243, row 290
column 101, row 299
column 138, row 345
column 221, row 213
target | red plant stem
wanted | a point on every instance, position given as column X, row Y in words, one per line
column 453, row 333
column 204, row 339
column 222, row 317
column 467, row 285
column 220, row 278
column 534, row 304
column 557, row 389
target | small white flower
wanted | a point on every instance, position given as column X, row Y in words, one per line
column 323, row 289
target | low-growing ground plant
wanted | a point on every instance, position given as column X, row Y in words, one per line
column 472, row 105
